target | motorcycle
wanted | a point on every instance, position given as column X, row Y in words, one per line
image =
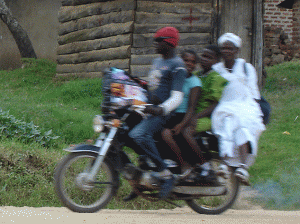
column 88, row 178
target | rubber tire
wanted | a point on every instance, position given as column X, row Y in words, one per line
column 59, row 190
column 193, row 205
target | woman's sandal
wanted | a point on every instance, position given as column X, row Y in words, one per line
column 242, row 175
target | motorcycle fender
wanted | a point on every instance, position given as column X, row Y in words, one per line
column 83, row 148
column 118, row 159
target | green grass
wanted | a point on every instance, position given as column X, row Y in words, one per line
column 26, row 175
column 276, row 171
column 67, row 107
column 26, row 178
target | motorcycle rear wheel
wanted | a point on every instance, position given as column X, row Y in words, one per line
column 214, row 205
column 75, row 192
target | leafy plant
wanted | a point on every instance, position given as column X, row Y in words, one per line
column 11, row 127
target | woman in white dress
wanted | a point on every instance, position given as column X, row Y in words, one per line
column 237, row 120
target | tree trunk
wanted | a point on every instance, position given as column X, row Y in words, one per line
column 19, row 34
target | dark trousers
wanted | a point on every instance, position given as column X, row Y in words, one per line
column 143, row 134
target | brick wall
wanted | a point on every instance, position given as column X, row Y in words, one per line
column 296, row 27
column 277, row 17
column 279, row 33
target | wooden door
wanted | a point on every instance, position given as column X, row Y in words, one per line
column 236, row 17
column 193, row 19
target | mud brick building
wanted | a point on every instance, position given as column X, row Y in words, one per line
column 95, row 34
column 84, row 36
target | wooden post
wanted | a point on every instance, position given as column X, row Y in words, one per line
column 258, row 39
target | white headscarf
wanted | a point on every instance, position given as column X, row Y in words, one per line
column 236, row 40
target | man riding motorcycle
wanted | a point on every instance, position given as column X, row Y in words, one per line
column 166, row 79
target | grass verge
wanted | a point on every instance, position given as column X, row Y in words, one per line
column 276, row 171
column 26, row 178
column 32, row 94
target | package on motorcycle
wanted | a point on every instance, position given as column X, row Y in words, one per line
column 115, row 82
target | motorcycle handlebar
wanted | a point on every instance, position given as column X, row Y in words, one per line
column 139, row 109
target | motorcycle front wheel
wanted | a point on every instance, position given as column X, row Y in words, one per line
column 78, row 194
column 214, row 205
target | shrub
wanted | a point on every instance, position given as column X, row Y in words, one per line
column 11, row 127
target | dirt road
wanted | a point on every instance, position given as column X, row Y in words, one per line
column 176, row 216
column 243, row 212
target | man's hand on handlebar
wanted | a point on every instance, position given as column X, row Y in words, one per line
column 148, row 109
column 154, row 110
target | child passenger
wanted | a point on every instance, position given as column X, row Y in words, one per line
column 212, row 87
column 185, row 111
column 211, row 92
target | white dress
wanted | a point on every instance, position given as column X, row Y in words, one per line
column 238, row 119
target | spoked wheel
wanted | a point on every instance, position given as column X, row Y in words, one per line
column 213, row 205
column 75, row 191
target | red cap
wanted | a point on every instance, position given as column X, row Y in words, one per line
column 169, row 32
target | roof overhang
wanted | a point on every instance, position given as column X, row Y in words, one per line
column 287, row 4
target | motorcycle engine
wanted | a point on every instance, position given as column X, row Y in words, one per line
column 148, row 180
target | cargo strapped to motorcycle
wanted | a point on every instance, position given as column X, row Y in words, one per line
column 120, row 89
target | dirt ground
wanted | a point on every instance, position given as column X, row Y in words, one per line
column 242, row 212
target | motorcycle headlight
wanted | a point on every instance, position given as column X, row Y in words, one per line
column 98, row 123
